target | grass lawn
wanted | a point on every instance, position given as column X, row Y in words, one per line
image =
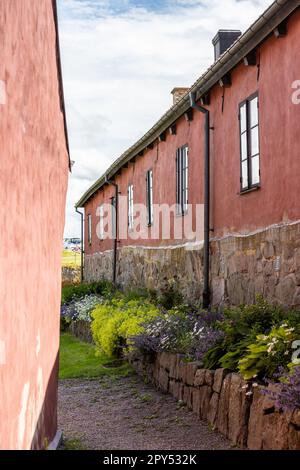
column 71, row 259
column 78, row 359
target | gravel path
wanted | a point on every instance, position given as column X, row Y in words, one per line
column 126, row 414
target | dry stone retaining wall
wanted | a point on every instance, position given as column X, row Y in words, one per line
column 266, row 263
column 233, row 407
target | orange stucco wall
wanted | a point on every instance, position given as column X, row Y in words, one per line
column 231, row 213
column 33, row 172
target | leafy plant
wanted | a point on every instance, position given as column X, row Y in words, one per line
column 103, row 288
column 241, row 327
column 170, row 296
column 268, row 353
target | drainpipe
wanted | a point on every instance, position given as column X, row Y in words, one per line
column 115, row 247
column 81, row 215
column 206, row 261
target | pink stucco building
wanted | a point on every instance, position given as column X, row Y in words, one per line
column 250, row 244
column 34, row 165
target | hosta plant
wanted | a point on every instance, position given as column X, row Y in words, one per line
column 269, row 352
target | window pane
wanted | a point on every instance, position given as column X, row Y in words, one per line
column 243, row 117
column 254, row 141
column 254, row 112
column 245, row 174
column 255, row 170
column 244, row 146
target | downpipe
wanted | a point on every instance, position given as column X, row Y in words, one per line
column 206, row 258
column 115, row 245
column 82, row 251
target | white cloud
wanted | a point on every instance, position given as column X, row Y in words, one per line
column 120, row 63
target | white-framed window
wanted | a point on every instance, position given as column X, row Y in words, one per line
column 149, row 189
column 89, row 221
column 101, row 222
column 182, row 180
column 114, row 218
column 249, row 135
column 130, row 207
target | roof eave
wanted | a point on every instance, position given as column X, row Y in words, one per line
column 264, row 25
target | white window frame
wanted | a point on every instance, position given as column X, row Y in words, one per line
column 149, row 200
column 89, row 224
column 249, row 147
column 130, row 207
column 101, row 222
column 182, row 180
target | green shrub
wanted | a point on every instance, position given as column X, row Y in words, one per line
column 170, row 296
column 268, row 353
column 69, row 293
column 242, row 326
column 116, row 321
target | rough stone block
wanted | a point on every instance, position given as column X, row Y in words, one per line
column 293, row 437
column 205, row 396
column 255, row 425
column 222, row 418
column 295, row 418
column 188, row 396
column 182, row 371
column 218, row 379
column 163, row 380
column 173, row 365
column 209, row 377
column 275, row 432
column 196, row 401
column 190, row 371
column 267, row 429
column 179, row 362
column 239, row 409
column 199, row 378
column 213, row 409
column 165, row 360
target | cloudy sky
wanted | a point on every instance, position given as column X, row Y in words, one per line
column 121, row 59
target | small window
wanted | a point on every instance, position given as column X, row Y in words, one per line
column 249, row 136
column 130, row 207
column 149, row 185
column 89, row 229
column 101, row 223
column 182, row 180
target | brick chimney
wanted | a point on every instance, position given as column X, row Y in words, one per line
column 178, row 93
column 223, row 40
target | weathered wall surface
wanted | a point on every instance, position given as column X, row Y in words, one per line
column 70, row 275
column 235, row 408
column 151, row 268
column 34, row 172
column 266, row 263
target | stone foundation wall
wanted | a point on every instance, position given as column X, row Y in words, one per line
column 266, row 263
column 70, row 275
column 151, row 268
column 232, row 406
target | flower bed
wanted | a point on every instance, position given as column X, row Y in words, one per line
column 255, row 343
